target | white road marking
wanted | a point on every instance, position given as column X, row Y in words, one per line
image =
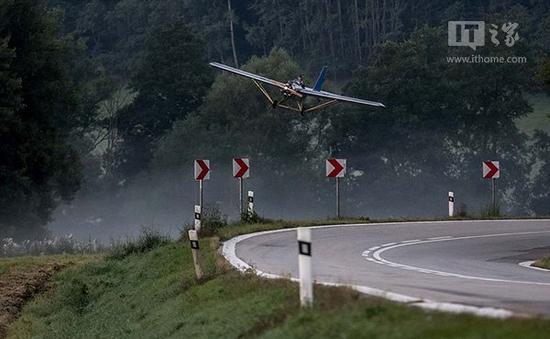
column 365, row 253
column 380, row 260
column 409, row 241
column 374, row 248
column 437, row 238
column 528, row 264
column 388, row 244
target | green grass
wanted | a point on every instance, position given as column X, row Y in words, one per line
column 148, row 240
column 234, row 230
column 155, row 295
column 543, row 263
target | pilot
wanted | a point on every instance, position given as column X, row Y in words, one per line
column 301, row 81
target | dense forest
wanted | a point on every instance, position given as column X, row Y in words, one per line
column 104, row 104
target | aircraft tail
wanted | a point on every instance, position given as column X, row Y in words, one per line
column 320, row 79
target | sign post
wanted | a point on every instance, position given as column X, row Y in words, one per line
column 202, row 172
column 241, row 170
column 240, row 196
column 304, row 266
column 451, row 204
column 491, row 170
column 336, row 168
column 337, row 197
column 195, row 246
column 493, row 194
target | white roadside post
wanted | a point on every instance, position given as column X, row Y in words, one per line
column 451, row 204
column 198, row 217
column 304, row 266
column 194, row 240
column 250, row 200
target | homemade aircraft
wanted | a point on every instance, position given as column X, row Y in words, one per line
column 297, row 91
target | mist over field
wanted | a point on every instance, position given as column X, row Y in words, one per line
column 105, row 105
column 165, row 201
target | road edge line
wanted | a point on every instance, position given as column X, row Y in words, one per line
column 229, row 253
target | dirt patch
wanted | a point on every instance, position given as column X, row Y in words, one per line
column 16, row 288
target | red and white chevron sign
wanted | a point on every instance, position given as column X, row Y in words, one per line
column 491, row 169
column 336, row 168
column 202, row 169
column 241, row 168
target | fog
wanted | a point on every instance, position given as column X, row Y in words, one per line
column 164, row 201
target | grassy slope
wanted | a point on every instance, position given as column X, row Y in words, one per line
column 155, row 295
column 151, row 295
column 22, row 278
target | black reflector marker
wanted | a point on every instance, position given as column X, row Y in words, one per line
column 304, row 248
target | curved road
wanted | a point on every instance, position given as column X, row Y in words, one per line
column 469, row 263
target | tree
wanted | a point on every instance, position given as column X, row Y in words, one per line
column 442, row 120
column 171, row 79
column 39, row 110
column 236, row 115
column 232, row 31
column 540, row 203
column 236, row 120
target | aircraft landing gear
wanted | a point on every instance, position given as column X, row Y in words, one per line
column 275, row 104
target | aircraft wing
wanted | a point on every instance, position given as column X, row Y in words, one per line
column 247, row 74
column 328, row 95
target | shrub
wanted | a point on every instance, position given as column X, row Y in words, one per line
column 148, row 240
column 462, row 210
column 252, row 218
column 212, row 220
column 491, row 211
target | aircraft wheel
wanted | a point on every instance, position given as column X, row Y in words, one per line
column 275, row 103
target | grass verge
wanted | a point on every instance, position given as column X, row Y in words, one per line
column 543, row 263
column 154, row 295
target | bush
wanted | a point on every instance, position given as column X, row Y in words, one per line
column 491, row 211
column 148, row 240
column 462, row 211
column 252, row 218
column 212, row 220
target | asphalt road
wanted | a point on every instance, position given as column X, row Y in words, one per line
column 473, row 263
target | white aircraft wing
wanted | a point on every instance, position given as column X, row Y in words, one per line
column 328, row 95
column 247, row 74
